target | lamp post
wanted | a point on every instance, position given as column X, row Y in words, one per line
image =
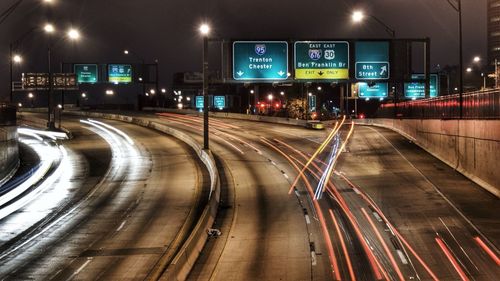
column 359, row 16
column 204, row 31
column 457, row 6
column 143, row 68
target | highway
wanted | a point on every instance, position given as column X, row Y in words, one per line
column 360, row 234
column 386, row 211
column 130, row 197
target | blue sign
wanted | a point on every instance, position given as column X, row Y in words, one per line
column 199, row 101
column 372, row 60
column 260, row 60
column 220, row 102
column 377, row 90
column 416, row 90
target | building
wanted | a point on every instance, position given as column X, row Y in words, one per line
column 493, row 31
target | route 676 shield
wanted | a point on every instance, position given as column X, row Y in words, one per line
column 315, row 54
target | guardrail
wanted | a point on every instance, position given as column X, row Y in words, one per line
column 476, row 105
column 179, row 267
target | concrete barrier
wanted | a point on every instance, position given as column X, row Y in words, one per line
column 179, row 267
column 472, row 147
column 9, row 153
column 238, row 116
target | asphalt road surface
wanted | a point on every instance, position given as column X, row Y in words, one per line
column 127, row 201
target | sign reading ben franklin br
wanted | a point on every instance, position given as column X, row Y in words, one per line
column 260, row 60
column 322, row 60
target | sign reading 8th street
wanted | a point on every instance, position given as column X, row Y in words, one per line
column 321, row 60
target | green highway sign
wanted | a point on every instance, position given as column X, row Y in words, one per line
column 416, row 90
column 219, row 102
column 260, row 60
column 86, row 73
column 119, row 73
column 372, row 60
column 377, row 90
column 321, row 60
column 199, row 101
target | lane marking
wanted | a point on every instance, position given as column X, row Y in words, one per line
column 121, row 226
column 308, row 220
column 80, row 268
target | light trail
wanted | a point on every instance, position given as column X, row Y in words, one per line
column 488, row 251
column 318, row 151
column 377, row 269
column 384, row 245
column 452, row 259
column 344, row 248
column 326, row 234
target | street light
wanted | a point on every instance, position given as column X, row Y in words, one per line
column 73, row 34
column 358, row 17
column 282, row 93
column 17, row 59
column 49, row 28
column 469, row 69
column 204, row 31
column 476, row 59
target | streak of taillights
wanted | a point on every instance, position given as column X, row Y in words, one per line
column 326, row 234
column 384, row 245
column 488, row 251
column 452, row 259
column 344, row 248
column 318, row 151
column 377, row 269
column 401, row 238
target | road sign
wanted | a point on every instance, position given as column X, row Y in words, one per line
column 372, row 60
column 377, row 90
column 40, row 81
column 260, row 60
column 199, row 102
column 321, row 60
column 219, row 102
column 120, row 73
column 416, row 90
column 86, row 73
column 312, row 103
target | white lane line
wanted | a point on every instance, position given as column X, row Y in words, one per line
column 286, row 176
column 308, row 220
column 313, row 258
column 80, row 268
column 121, row 226
column 402, row 257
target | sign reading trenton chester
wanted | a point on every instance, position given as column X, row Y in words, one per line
column 86, row 73
column 417, row 89
column 260, row 60
column 120, row 73
column 321, row 60
column 372, row 60
column 378, row 90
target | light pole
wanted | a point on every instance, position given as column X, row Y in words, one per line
column 143, row 69
column 457, row 6
column 359, row 16
column 72, row 34
column 205, row 31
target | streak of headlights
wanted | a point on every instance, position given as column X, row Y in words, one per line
column 50, row 155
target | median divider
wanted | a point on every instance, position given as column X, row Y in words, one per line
column 178, row 267
column 238, row 116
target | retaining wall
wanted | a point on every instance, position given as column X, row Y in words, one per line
column 9, row 153
column 472, row 147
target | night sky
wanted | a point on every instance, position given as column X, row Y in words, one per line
column 167, row 30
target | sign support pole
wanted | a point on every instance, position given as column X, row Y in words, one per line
column 205, row 94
